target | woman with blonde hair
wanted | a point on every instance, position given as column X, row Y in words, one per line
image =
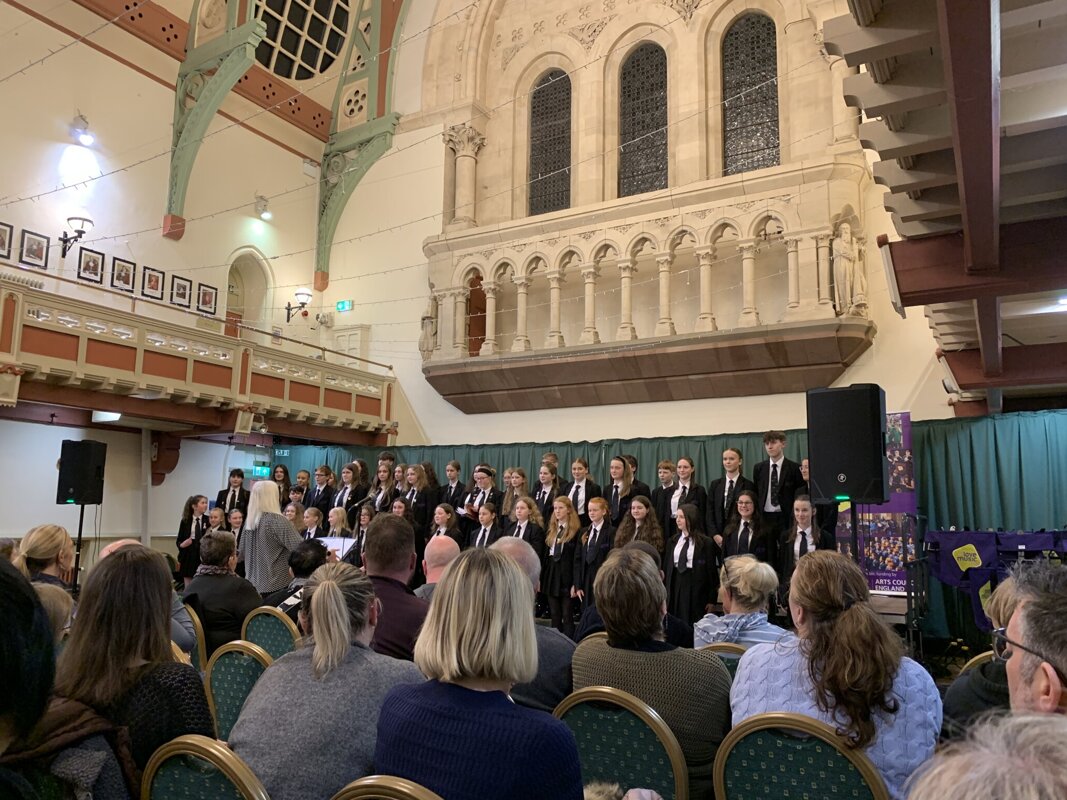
column 746, row 586
column 338, row 522
column 46, row 555
column 640, row 525
column 268, row 539
column 459, row 734
column 846, row 668
column 557, row 582
column 338, row 683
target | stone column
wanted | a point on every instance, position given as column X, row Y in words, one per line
column 749, row 316
column 706, row 319
column 792, row 261
column 665, row 325
column 445, row 321
column 459, row 332
column 555, row 335
column 822, row 248
column 522, row 340
column 627, row 331
column 590, row 272
column 489, row 345
column 846, row 119
column 466, row 142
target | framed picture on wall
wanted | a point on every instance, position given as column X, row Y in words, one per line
column 33, row 251
column 123, row 273
column 90, row 265
column 181, row 291
column 206, row 298
column 152, row 283
column 6, row 232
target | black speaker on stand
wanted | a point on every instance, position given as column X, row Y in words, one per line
column 846, row 448
column 81, row 483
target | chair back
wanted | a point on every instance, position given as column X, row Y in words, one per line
column 765, row 757
column 231, row 673
column 728, row 652
column 977, row 661
column 198, row 768
column 622, row 740
column 179, row 655
column 272, row 629
column 384, row 787
column 199, row 652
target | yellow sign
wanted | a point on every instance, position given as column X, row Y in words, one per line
column 967, row 557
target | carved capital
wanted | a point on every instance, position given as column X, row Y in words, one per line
column 706, row 256
column 747, row 250
column 464, row 140
column 590, row 272
column 522, row 282
column 822, row 239
column 792, row 244
column 627, row 267
column 556, row 278
column 664, row 262
column 490, row 288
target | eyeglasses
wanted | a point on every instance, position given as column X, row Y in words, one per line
column 1001, row 642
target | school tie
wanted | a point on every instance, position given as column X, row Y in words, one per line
column 590, row 547
column 729, row 492
column 482, row 537
column 803, row 542
column 614, row 501
column 518, row 531
column 774, row 485
column 231, row 501
column 743, row 539
column 682, row 564
column 480, row 500
column 574, row 496
column 411, row 495
column 681, row 498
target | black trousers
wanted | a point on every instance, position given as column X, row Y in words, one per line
column 561, row 612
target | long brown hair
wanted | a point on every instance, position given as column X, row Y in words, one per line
column 553, row 524
column 650, row 531
column 122, row 629
column 853, row 655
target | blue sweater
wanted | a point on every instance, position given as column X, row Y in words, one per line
column 468, row 745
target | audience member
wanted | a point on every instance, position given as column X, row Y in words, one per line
column 9, row 548
column 847, row 669
column 1034, row 644
column 459, row 735
column 325, row 696
column 389, row 559
column 303, row 561
column 219, row 597
column 554, row 650
column 689, row 689
column 746, row 586
column 440, row 552
column 268, row 539
column 194, row 524
column 46, row 555
column 59, row 606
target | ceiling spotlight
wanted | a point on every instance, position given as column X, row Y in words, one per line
column 263, row 208
column 79, row 129
column 80, row 226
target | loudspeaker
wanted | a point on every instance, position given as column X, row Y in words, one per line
column 846, row 444
column 81, row 473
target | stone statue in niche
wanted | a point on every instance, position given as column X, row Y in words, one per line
column 850, row 274
column 428, row 337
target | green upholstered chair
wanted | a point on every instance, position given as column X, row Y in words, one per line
column 728, row 652
column 231, row 673
column 271, row 629
column 788, row 756
column 384, row 787
column 622, row 740
column 197, row 768
column 199, row 652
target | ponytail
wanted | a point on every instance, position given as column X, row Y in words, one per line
column 336, row 603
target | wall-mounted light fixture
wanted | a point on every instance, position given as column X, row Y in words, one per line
column 303, row 297
column 79, row 129
column 263, row 208
column 80, row 226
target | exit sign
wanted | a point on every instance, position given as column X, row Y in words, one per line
column 261, row 471
column 344, row 305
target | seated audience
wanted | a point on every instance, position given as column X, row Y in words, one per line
column 303, row 561
column 690, row 689
column 554, row 650
column 46, row 555
column 459, row 734
column 220, row 598
column 440, row 552
column 9, row 548
column 389, row 561
column 746, row 585
column 1006, row 757
column 59, row 606
column 118, row 659
column 267, row 541
column 847, row 668
column 325, row 696
column 1034, row 644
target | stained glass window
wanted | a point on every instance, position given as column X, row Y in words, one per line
column 550, row 143
column 750, row 95
column 643, row 121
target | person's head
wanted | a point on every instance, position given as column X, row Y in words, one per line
column 546, row 474
column 281, row 474
column 390, row 547
column 46, row 548
column 338, row 519
column 480, row 626
column 746, row 504
column 452, row 471
column 126, row 603
column 563, row 513
column 416, row 476
column 630, row 596
column 236, row 519
column 294, row 512
column 487, row 515
column 9, row 548
column 665, row 471
column 384, row 473
column 507, row 476
column 597, row 509
column 401, row 507
column 295, row 494
column 195, row 506
column 852, row 654
column 363, row 475
column 336, row 606
column 431, row 474
column 802, row 511
column 746, row 584
column 525, row 507
column 804, row 470
column 579, row 469
column 774, row 444
column 440, row 552
column 307, row 557
column 312, row 518
column 632, row 461
column 237, row 478
column 524, row 555
column 483, row 477
column 217, row 517
column 27, row 659
column 640, row 508
column 322, row 475
column 58, row 604
column 399, row 471
column 219, row 549
column 518, row 479
column 617, row 467
column 387, row 457
column 687, row 518
column 685, row 469
column 550, row 458
column 366, row 514
column 303, row 478
column 731, row 460
column 444, row 517
column 1002, row 602
column 1035, row 642
column 350, row 473
column 262, row 500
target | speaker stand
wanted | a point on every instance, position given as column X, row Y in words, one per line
column 854, row 525
column 74, row 590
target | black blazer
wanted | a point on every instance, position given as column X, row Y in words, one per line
column 763, row 542
column 533, row 534
column 788, row 481
column 624, row 504
column 703, row 583
column 453, row 534
column 697, row 496
column 454, row 497
column 354, row 502
column 189, row 557
column 468, row 523
column 722, row 509
column 322, row 499
column 495, row 533
column 386, row 503
column 558, row 577
column 587, row 563
column 421, row 509
column 661, row 503
column 545, row 501
column 787, row 559
column 640, row 489
column 591, row 490
column 242, row 500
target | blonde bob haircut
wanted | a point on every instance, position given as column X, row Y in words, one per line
column 480, row 623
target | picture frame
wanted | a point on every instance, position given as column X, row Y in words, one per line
column 206, row 299
column 181, row 292
column 123, row 274
column 90, row 265
column 152, row 283
column 33, row 249
column 7, row 233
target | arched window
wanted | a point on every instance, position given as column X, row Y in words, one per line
column 750, row 95
column 643, row 121
column 550, row 143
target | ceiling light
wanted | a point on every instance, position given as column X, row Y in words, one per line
column 263, row 208
column 79, row 128
column 80, row 225
column 303, row 297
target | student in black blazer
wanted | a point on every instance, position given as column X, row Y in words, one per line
column 746, row 533
column 453, row 491
column 235, row 496
column 417, row 492
column 484, row 491
column 662, row 494
column 689, row 568
column 320, row 495
column 487, row 530
column 687, row 490
column 581, row 490
column 619, row 490
column 527, row 526
column 384, row 490
column 825, row 512
column 446, row 523
column 777, row 511
column 591, row 552
column 638, row 488
column 350, row 492
column 803, row 537
column 546, row 490
column 193, row 526
column 302, row 485
column 557, row 581
column 722, row 493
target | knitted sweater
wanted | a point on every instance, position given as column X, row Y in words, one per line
column 774, row 677
column 975, row 692
column 468, row 745
column 308, row 738
column 690, row 689
column 743, row 629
